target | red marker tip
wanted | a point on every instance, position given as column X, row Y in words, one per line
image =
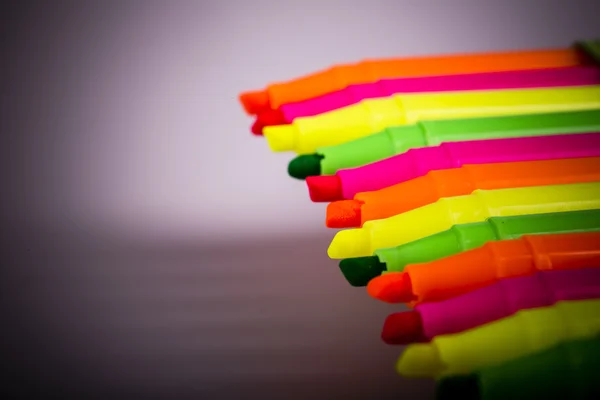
column 343, row 214
column 403, row 328
column 393, row 287
column 255, row 102
column 324, row 188
column 268, row 118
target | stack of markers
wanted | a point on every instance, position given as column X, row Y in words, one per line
column 469, row 187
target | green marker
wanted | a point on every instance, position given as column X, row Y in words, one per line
column 399, row 139
column 359, row 271
column 570, row 370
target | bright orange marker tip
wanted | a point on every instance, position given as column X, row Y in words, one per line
column 254, row 102
column 324, row 188
column 393, row 287
column 343, row 214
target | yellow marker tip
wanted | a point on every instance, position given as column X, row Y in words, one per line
column 350, row 243
column 280, row 137
column 421, row 360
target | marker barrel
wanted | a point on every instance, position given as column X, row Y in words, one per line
column 470, row 270
column 476, row 207
column 552, row 77
column 506, row 297
column 465, row 237
column 305, row 135
column 460, row 181
column 521, row 334
column 568, row 370
column 399, row 139
column 340, row 76
column 418, row 162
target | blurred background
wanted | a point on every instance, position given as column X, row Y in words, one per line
column 151, row 246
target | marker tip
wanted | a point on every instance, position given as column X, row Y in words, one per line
column 360, row 270
column 420, row 360
column 267, row 118
column 305, row 165
column 280, row 137
column 403, row 328
column 344, row 214
column 458, row 387
column 394, row 287
column 255, row 101
column 324, row 188
column 350, row 243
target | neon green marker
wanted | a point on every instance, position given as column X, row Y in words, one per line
column 398, row 139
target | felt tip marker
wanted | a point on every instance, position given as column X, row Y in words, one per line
column 520, row 335
column 340, row 76
column 568, row 370
column 490, row 303
column 347, row 183
column 305, row 135
column 427, row 189
column 399, row 139
column 448, row 211
column 538, row 78
column 359, row 271
column 473, row 269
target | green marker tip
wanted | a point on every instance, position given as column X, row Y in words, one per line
column 359, row 271
column 458, row 387
column 305, row 165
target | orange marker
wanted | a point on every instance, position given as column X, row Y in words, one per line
column 341, row 76
column 436, row 184
column 470, row 270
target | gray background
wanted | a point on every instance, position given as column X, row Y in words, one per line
column 153, row 248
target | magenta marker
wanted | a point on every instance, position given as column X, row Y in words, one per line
column 556, row 77
column 346, row 183
column 491, row 303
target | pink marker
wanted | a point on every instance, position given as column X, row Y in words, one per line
column 490, row 303
column 555, row 77
column 346, row 183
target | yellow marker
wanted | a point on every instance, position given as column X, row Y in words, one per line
column 476, row 207
column 525, row 332
column 368, row 117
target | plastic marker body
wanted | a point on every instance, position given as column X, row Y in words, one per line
column 359, row 271
column 476, row 207
column 465, row 237
column 467, row 271
column 568, row 370
column 522, row 334
column 434, row 185
column 399, row 139
column 418, row 162
column 340, row 76
column 554, row 77
column 494, row 302
column 306, row 134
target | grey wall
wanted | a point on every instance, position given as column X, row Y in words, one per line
column 152, row 247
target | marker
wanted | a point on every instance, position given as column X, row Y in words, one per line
column 340, row 76
column 537, row 78
column 359, row 271
column 347, row 183
column 305, row 135
column 399, row 139
column 490, row 303
column 473, row 269
column 569, row 370
column 427, row 189
column 522, row 334
column 448, row 211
